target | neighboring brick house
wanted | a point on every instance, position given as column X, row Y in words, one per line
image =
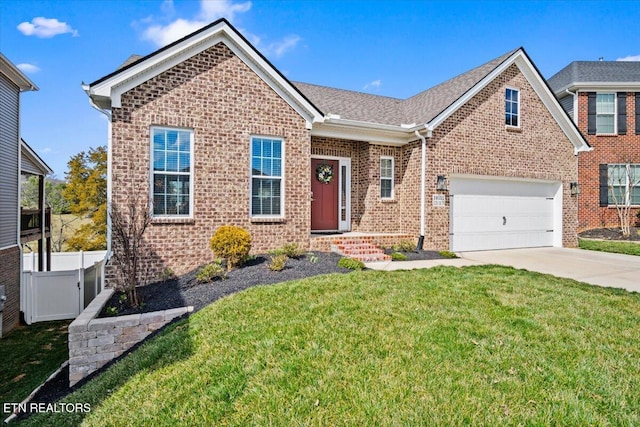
column 603, row 99
column 12, row 83
column 207, row 132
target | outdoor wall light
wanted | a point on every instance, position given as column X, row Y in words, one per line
column 441, row 183
column 575, row 188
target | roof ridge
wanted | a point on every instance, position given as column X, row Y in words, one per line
column 349, row 90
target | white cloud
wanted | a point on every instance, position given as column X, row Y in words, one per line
column 280, row 48
column 28, row 68
column 373, row 85
column 162, row 35
column 212, row 10
column 45, row 150
column 45, row 28
column 630, row 58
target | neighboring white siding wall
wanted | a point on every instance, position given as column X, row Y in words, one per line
column 567, row 104
column 9, row 154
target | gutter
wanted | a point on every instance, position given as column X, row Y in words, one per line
column 423, row 177
column 107, row 255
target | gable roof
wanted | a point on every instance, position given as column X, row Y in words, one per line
column 31, row 162
column 597, row 74
column 106, row 91
column 335, row 112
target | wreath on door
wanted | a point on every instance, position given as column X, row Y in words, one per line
column 324, row 173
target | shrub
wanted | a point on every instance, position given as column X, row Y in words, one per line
column 292, row 250
column 167, row 274
column 398, row 256
column 231, row 243
column 404, row 246
column 350, row 263
column 278, row 262
column 313, row 258
column 447, row 254
column 210, row 272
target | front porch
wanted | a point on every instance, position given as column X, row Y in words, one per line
column 322, row 242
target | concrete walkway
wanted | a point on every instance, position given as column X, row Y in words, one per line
column 596, row 268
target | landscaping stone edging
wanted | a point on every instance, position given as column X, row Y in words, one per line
column 95, row 342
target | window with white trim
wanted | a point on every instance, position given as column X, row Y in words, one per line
column 171, row 171
column 606, row 113
column 386, row 177
column 267, row 184
column 624, row 184
column 512, row 107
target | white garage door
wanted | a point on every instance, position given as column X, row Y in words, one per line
column 512, row 215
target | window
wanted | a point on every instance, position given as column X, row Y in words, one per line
column 171, row 157
column 267, row 185
column 512, row 107
column 624, row 184
column 605, row 113
column 386, row 177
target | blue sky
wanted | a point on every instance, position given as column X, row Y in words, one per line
column 392, row 48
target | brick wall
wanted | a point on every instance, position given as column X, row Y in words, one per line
column 475, row 140
column 217, row 96
column 606, row 149
column 10, row 279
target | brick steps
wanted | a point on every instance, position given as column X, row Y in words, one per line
column 358, row 248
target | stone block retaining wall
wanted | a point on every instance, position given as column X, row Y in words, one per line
column 95, row 342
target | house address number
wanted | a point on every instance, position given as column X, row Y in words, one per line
column 439, row 200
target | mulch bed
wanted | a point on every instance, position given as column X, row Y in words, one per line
column 185, row 290
column 610, row 234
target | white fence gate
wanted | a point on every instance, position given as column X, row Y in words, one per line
column 58, row 295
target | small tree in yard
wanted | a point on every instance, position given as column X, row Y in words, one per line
column 127, row 228
column 624, row 184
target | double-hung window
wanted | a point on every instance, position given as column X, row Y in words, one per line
column 605, row 113
column 512, row 107
column 624, row 184
column 172, row 169
column 267, row 183
column 386, row 177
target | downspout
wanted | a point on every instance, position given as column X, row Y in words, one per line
column 107, row 255
column 423, row 172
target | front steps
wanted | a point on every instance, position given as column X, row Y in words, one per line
column 361, row 248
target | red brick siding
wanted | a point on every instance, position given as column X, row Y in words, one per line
column 10, row 279
column 606, row 150
column 369, row 213
column 475, row 140
column 217, row 96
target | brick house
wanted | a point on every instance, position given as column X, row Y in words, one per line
column 207, row 132
column 603, row 99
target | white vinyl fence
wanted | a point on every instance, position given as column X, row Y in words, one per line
column 61, row 261
column 61, row 294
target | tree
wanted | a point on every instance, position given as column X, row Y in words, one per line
column 624, row 184
column 86, row 192
column 127, row 229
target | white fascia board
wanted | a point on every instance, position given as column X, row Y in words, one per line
column 33, row 156
column 551, row 103
column 605, row 86
column 373, row 133
column 113, row 88
column 14, row 74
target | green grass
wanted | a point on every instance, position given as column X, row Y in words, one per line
column 483, row 345
column 628, row 248
column 28, row 355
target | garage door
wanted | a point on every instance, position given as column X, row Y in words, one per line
column 512, row 215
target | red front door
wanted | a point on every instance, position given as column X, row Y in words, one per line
column 324, row 207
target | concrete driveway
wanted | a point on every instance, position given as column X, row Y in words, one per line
column 596, row 268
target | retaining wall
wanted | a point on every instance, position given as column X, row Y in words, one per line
column 95, row 342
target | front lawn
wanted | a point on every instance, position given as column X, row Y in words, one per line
column 483, row 345
column 29, row 355
column 618, row 247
